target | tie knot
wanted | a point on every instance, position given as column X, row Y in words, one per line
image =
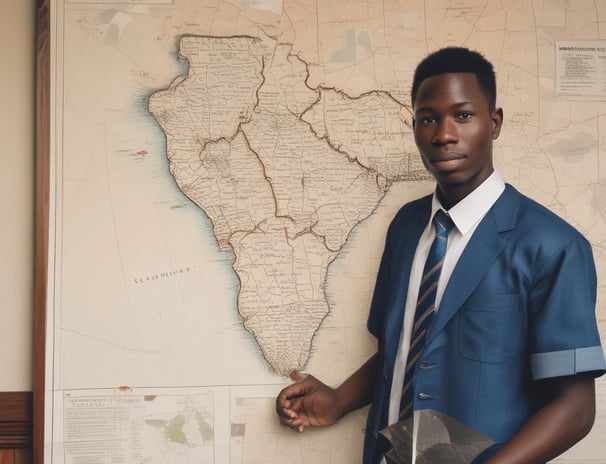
column 442, row 223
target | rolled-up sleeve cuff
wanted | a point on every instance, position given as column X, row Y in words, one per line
column 567, row 362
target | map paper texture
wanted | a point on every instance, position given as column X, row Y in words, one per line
column 223, row 175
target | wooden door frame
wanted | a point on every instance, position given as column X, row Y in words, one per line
column 42, row 183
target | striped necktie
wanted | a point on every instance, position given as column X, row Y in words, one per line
column 425, row 309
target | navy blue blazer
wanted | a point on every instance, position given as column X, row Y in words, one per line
column 519, row 306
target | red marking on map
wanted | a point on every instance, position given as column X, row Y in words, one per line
column 142, row 152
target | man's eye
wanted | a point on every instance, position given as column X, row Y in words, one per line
column 427, row 120
column 464, row 116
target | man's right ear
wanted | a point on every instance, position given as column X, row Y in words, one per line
column 497, row 122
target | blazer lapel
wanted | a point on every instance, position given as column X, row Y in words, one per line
column 484, row 247
column 404, row 253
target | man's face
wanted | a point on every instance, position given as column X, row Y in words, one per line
column 454, row 130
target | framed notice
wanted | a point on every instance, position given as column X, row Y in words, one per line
column 581, row 68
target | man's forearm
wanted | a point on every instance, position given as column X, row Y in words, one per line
column 556, row 427
column 357, row 390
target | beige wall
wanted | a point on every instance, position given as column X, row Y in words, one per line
column 17, row 134
column 17, row 54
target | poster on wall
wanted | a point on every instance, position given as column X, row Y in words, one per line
column 221, row 177
column 581, row 68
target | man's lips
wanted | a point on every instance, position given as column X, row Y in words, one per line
column 447, row 160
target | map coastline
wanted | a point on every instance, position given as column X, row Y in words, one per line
column 285, row 213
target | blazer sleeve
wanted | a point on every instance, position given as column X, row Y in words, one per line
column 564, row 337
column 378, row 307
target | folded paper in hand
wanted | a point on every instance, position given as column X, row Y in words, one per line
column 440, row 440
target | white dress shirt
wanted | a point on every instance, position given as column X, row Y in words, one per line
column 466, row 215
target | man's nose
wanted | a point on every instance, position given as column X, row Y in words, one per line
column 446, row 132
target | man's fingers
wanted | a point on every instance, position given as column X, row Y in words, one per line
column 297, row 376
column 289, row 422
column 289, row 404
column 285, row 412
column 295, row 423
column 288, row 407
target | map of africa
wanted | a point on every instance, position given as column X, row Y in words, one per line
column 224, row 172
column 283, row 171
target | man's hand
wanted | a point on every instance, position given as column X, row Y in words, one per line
column 310, row 403
column 307, row 402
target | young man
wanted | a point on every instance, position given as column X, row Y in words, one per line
column 512, row 347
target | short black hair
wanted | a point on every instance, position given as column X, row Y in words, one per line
column 457, row 60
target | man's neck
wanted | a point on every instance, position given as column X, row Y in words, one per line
column 449, row 195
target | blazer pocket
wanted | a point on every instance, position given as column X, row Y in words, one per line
column 491, row 328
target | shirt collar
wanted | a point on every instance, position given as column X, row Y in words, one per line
column 474, row 206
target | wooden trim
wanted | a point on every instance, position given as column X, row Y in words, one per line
column 42, row 220
column 16, row 419
column 15, row 456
